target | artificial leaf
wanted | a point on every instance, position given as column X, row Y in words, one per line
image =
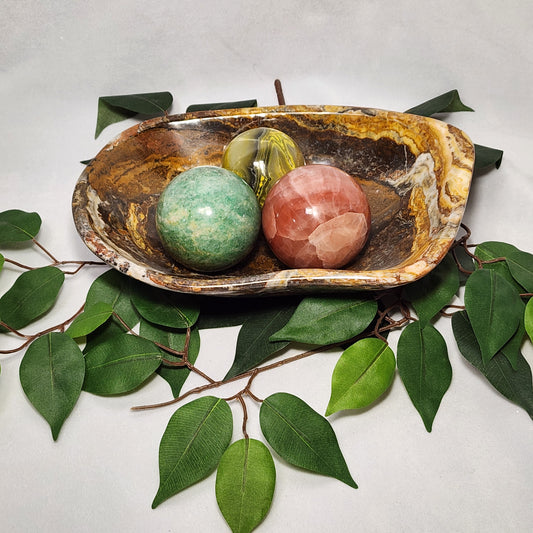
column 91, row 318
column 120, row 364
column 51, row 375
column 445, row 103
column 175, row 376
column 222, row 105
column 105, row 332
column 521, row 267
column 424, row 368
column 515, row 385
column 18, row 226
column 192, row 445
column 362, row 374
column 33, row 293
column 328, row 320
column 253, row 344
column 170, row 309
column 528, row 319
column 487, row 157
column 512, row 348
column 498, row 251
column 108, row 114
column 246, row 477
column 113, row 288
column 220, row 312
column 302, row 437
column 494, row 309
column 113, row 109
column 431, row 293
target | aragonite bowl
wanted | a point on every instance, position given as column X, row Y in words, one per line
column 415, row 171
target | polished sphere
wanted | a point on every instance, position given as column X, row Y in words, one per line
column 208, row 218
column 317, row 216
column 261, row 156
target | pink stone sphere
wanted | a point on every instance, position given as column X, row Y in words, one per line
column 316, row 216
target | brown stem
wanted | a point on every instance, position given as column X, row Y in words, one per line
column 31, row 338
column 167, row 362
column 20, row 265
column 38, row 244
column 80, row 264
column 192, row 368
column 244, row 415
column 459, row 266
column 214, row 384
column 279, row 92
column 57, row 263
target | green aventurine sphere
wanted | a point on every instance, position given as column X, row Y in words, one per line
column 208, row 218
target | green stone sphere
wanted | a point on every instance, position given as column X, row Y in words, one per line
column 261, row 156
column 208, row 219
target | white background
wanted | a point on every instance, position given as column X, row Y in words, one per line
column 474, row 472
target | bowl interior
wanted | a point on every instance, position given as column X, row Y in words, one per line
column 415, row 172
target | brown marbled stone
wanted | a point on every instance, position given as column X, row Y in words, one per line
column 415, row 171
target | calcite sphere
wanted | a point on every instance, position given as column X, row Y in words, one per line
column 261, row 156
column 208, row 218
column 316, row 216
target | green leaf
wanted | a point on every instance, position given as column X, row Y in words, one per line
column 363, row 373
column 302, row 437
column 51, row 375
column 175, row 376
column 113, row 109
column 1, row 261
column 246, row 477
column 91, row 318
column 192, row 445
column 253, row 344
column 114, row 288
column 33, row 293
column 18, row 226
column 515, row 385
column 222, row 105
column 521, row 267
column 120, row 364
column 528, row 319
column 491, row 250
column 328, row 320
column 512, row 348
column 487, row 157
column 494, row 309
column 424, row 368
column 445, row 103
column 170, row 309
column 220, row 312
column 105, row 332
column 431, row 293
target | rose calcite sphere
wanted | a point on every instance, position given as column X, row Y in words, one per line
column 208, row 218
column 261, row 156
column 316, row 216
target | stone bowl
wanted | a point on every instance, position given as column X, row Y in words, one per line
column 416, row 172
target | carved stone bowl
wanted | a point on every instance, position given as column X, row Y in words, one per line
column 416, row 172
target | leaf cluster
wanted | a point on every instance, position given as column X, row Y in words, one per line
column 128, row 333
